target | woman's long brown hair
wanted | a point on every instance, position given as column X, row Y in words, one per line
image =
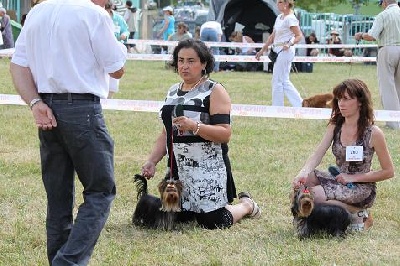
column 355, row 88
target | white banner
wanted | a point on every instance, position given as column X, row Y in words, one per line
column 255, row 45
column 237, row 109
column 251, row 58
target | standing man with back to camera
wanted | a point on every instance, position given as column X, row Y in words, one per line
column 62, row 58
column 386, row 31
column 211, row 31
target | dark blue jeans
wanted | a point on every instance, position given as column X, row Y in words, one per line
column 80, row 143
column 211, row 35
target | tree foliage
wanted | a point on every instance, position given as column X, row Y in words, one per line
column 325, row 5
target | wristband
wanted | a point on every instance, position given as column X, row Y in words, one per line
column 34, row 102
column 197, row 129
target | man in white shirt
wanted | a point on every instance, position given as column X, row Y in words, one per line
column 63, row 57
column 385, row 30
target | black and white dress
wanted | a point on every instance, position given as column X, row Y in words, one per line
column 198, row 163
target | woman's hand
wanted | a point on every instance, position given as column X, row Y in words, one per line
column 148, row 169
column 184, row 123
column 285, row 47
column 259, row 54
column 298, row 181
column 344, row 178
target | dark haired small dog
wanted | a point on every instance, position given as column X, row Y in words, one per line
column 319, row 101
column 310, row 219
column 154, row 212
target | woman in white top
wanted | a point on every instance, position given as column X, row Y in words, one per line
column 286, row 33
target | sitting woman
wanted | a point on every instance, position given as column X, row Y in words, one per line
column 312, row 39
column 196, row 117
column 181, row 34
column 354, row 139
column 237, row 36
column 338, row 52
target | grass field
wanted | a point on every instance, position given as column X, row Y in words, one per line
column 266, row 154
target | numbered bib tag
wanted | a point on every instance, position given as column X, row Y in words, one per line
column 354, row 153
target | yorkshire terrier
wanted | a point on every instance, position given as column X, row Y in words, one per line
column 154, row 212
column 319, row 101
column 312, row 219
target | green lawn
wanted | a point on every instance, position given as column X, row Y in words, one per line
column 266, row 154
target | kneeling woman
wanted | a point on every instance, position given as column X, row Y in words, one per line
column 354, row 139
column 196, row 117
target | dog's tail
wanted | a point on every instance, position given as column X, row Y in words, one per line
column 141, row 185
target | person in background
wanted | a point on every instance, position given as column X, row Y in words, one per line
column 181, row 34
column 312, row 39
column 211, row 31
column 354, row 139
column 385, row 30
column 285, row 35
column 237, row 36
column 6, row 30
column 23, row 18
column 62, row 80
column 338, row 52
column 200, row 4
column 121, row 33
column 196, row 33
column 130, row 19
column 196, row 117
column 168, row 26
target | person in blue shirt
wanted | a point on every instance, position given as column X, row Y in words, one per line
column 121, row 32
column 168, row 23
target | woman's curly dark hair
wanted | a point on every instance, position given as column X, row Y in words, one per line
column 202, row 51
column 355, row 88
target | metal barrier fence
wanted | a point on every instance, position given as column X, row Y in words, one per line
column 323, row 23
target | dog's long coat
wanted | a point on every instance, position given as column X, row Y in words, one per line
column 151, row 211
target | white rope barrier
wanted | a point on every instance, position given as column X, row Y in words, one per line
column 248, row 110
column 251, row 58
column 249, row 45
column 236, row 58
